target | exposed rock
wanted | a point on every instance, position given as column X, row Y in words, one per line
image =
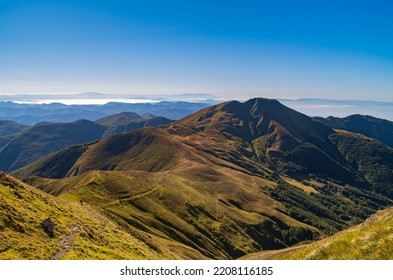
column 49, row 226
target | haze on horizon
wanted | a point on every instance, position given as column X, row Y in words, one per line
column 232, row 49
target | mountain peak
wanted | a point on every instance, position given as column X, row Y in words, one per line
column 256, row 117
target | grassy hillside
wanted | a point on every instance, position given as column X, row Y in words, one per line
column 228, row 180
column 372, row 159
column 371, row 240
column 220, row 213
column 81, row 231
column 4, row 140
column 135, row 124
column 270, row 134
column 55, row 165
column 119, row 119
column 45, row 138
column 10, row 127
column 9, row 130
column 21, row 145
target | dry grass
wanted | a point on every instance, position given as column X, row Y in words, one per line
column 371, row 240
column 22, row 208
column 295, row 183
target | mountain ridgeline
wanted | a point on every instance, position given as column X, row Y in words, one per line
column 24, row 145
column 128, row 121
column 372, row 127
column 229, row 180
column 30, row 114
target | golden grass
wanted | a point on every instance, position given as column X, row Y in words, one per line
column 295, row 183
column 22, row 208
column 210, row 209
column 371, row 240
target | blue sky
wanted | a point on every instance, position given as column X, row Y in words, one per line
column 234, row 49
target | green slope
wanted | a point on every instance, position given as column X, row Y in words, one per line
column 119, row 119
column 136, row 124
column 9, row 130
column 277, row 176
column 81, row 231
column 220, row 213
column 45, row 138
column 379, row 129
column 10, row 127
column 371, row 240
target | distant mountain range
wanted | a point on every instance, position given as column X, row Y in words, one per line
column 30, row 109
column 29, row 114
column 21, row 144
column 94, row 96
column 229, row 180
column 340, row 108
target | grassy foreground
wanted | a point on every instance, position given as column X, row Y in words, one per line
column 81, row 231
column 371, row 240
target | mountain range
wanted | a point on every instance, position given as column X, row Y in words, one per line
column 23, row 144
column 30, row 114
column 227, row 181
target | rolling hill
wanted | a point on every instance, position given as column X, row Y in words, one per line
column 45, row 138
column 30, row 114
column 372, row 127
column 119, row 119
column 229, row 180
column 127, row 121
column 8, row 130
column 81, row 231
column 4, row 140
column 23, row 145
column 10, row 127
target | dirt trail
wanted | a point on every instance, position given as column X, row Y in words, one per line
column 270, row 254
column 125, row 200
column 94, row 214
column 66, row 242
column 141, row 195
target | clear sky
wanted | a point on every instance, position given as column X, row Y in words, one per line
column 236, row 49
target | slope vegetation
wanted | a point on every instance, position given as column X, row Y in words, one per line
column 21, row 145
column 379, row 129
column 119, row 119
column 10, row 127
column 371, row 240
column 122, row 124
column 8, row 130
column 220, row 213
column 81, row 231
column 229, row 180
column 45, row 138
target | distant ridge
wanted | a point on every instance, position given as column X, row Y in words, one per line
column 24, row 145
column 119, row 119
column 30, row 114
column 379, row 129
column 9, row 127
column 126, row 121
column 45, row 138
column 315, row 107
